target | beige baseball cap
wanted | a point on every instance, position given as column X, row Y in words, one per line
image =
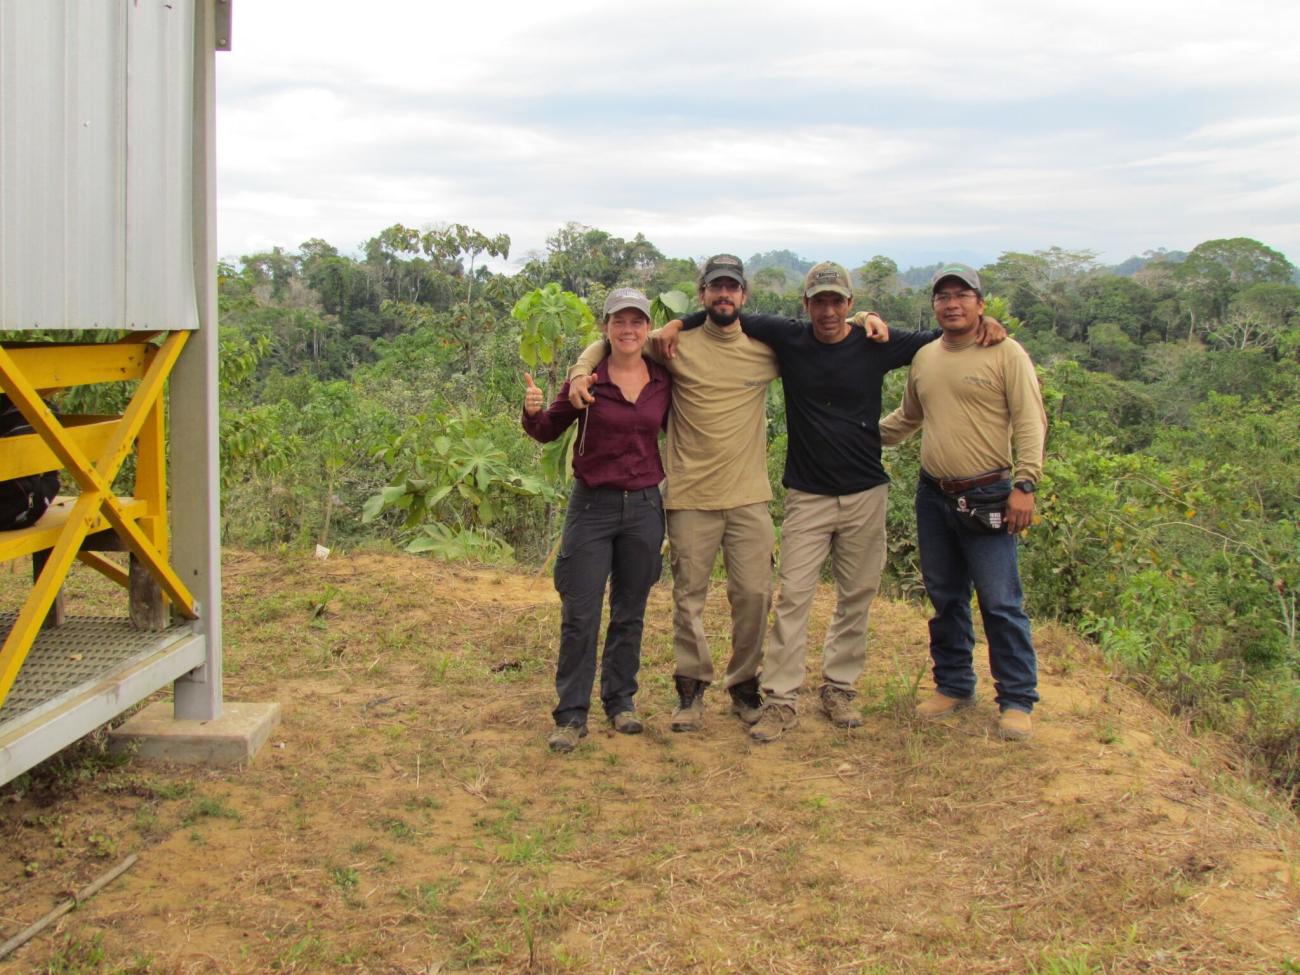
column 827, row 276
column 621, row 298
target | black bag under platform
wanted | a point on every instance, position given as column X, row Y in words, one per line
column 23, row 499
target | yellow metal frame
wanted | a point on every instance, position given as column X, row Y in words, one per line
column 140, row 522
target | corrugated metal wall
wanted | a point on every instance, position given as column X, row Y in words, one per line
column 96, row 164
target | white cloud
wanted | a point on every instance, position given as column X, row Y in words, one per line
column 1005, row 125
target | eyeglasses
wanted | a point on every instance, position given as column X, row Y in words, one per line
column 721, row 285
column 943, row 297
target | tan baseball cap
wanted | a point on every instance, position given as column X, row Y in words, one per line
column 827, row 276
column 621, row 298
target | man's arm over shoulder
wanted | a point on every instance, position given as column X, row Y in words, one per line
column 771, row 329
column 768, row 329
column 771, row 325
column 580, row 374
column 902, row 347
column 592, row 356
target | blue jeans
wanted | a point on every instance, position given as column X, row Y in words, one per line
column 955, row 555
column 609, row 536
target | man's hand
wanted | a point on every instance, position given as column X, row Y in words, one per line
column 872, row 324
column 990, row 331
column 533, row 398
column 579, row 397
column 1020, row 510
column 663, row 341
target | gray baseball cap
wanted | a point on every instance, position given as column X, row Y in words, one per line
column 962, row 272
column 621, row 298
column 827, row 276
column 723, row 266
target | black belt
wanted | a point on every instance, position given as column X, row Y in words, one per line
column 960, row 485
column 649, row 492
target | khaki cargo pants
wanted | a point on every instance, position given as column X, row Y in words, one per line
column 851, row 528
column 746, row 537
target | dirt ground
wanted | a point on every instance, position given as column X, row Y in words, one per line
column 406, row 816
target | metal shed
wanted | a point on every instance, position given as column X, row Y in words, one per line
column 107, row 227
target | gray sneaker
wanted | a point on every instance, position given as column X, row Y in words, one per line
column 628, row 723
column 775, row 721
column 838, row 706
column 565, row 737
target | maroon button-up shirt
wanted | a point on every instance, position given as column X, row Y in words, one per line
column 618, row 441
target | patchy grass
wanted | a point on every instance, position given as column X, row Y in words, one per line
column 407, row 817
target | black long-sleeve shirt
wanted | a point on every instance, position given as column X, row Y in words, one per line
column 832, row 399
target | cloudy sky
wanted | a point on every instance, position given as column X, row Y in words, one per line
column 838, row 130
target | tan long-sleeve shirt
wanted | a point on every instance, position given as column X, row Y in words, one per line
column 715, row 456
column 981, row 407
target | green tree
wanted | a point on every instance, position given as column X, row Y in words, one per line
column 877, row 281
column 1040, row 284
column 1258, row 316
column 1216, row 270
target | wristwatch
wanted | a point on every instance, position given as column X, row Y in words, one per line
column 1026, row 485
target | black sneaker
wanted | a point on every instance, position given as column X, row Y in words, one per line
column 746, row 701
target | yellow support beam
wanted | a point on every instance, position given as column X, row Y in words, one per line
column 29, row 453
column 106, row 567
column 45, row 368
column 45, row 533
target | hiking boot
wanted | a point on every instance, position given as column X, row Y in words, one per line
column 775, row 721
column 941, row 705
column 837, row 705
column 1014, row 725
column 689, row 713
column 746, row 701
column 565, row 737
column 628, row 723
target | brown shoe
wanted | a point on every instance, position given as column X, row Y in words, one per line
column 565, row 737
column 838, row 706
column 941, row 705
column 1015, row 725
column 628, row 723
column 689, row 713
column 775, row 721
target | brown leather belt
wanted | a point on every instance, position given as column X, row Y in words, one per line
column 960, row 485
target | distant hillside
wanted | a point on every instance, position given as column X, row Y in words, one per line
column 785, row 260
column 1127, row 269
column 919, row 277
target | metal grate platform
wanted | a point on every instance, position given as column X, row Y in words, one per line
column 81, row 651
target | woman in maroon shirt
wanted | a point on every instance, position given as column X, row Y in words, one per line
column 615, row 523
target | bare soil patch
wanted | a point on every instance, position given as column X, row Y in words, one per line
column 407, row 817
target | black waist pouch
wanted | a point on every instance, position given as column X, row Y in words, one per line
column 984, row 514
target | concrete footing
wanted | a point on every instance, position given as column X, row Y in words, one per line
column 231, row 739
